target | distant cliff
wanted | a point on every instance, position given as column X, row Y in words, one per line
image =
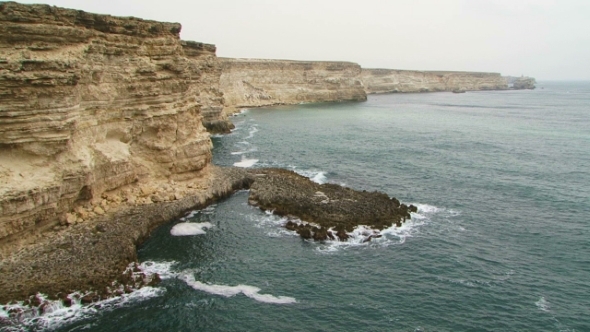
column 257, row 82
column 391, row 80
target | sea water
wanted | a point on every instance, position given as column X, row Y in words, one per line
column 500, row 242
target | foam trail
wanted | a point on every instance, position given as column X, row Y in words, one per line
column 253, row 131
column 229, row 291
column 245, row 163
column 190, row 228
column 243, row 152
column 542, row 304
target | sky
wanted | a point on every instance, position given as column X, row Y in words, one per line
column 545, row 39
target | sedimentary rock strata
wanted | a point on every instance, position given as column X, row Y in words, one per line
column 391, row 80
column 91, row 103
column 258, row 82
column 328, row 210
column 91, row 255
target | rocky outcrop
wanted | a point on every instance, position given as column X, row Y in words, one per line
column 392, row 80
column 329, row 211
column 522, row 83
column 90, row 256
column 257, row 82
column 210, row 97
column 92, row 103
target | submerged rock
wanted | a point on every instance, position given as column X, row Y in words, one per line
column 326, row 206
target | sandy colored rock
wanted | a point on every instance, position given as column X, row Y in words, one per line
column 392, row 80
column 260, row 82
column 90, row 103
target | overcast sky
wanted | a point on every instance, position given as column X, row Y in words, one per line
column 546, row 39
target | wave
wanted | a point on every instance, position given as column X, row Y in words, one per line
column 362, row 235
column 241, row 111
column 237, row 153
column 246, row 163
column 190, row 228
column 542, row 304
column 253, row 130
column 229, row 291
column 53, row 314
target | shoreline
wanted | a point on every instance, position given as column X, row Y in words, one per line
column 92, row 255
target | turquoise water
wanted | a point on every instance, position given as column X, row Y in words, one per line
column 501, row 241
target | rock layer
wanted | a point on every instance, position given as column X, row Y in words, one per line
column 258, row 82
column 91, row 103
column 91, row 255
column 392, row 80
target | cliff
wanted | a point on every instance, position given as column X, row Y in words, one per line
column 91, row 104
column 391, row 80
column 210, row 96
column 524, row 82
column 257, row 82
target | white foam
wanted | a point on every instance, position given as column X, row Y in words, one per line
column 238, row 153
column 542, row 304
column 315, row 176
column 253, row 130
column 163, row 269
column 241, row 111
column 55, row 314
column 190, row 228
column 229, row 291
column 245, row 163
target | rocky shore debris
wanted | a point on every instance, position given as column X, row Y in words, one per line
column 91, row 255
column 329, row 211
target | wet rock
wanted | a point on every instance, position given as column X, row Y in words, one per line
column 327, row 205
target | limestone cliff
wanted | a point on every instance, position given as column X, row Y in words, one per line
column 258, row 82
column 391, row 80
column 210, row 97
column 91, row 103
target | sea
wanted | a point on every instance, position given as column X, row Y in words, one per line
column 500, row 242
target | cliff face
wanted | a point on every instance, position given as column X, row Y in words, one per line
column 391, row 80
column 257, row 82
column 524, row 82
column 210, row 97
column 90, row 103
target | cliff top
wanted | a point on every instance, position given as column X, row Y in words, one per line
column 250, row 60
column 441, row 72
column 45, row 14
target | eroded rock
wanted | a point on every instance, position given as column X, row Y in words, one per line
column 324, row 207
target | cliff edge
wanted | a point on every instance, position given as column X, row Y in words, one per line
column 392, row 80
column 260, row 82
column 91, row 104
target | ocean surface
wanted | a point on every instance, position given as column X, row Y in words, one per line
column 501, row 240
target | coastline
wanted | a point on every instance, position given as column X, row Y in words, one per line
column 70, row 222
column 91, row 255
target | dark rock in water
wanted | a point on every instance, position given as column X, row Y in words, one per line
column 291, row 225
column 524, row 83
column 327, row 205
column 413, row 208
column 459, row 91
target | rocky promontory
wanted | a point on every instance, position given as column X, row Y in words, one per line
column 328, row 211
column 261, row 82
column 523, row 83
